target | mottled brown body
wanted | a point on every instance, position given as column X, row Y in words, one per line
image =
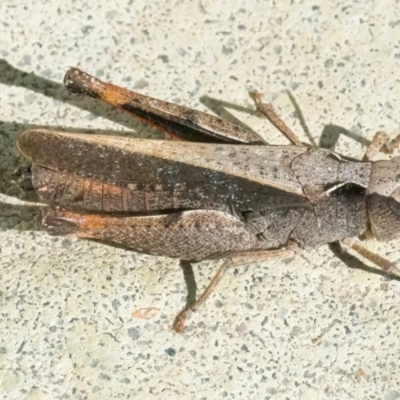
column 260, row 188
column 228, row 196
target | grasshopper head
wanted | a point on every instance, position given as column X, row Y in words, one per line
column 383, row 199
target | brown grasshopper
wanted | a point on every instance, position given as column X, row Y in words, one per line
column 228, row 195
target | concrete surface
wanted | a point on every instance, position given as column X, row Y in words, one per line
column 315, row 327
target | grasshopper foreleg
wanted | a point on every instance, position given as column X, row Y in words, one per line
column 380, row 140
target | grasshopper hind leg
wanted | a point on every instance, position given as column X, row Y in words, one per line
column 180, row 319
column 234, row 260
column 173, row 119
column 188, row 235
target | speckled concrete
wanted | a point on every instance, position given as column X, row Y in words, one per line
column 315, row 327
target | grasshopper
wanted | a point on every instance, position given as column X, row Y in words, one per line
column 219, row 192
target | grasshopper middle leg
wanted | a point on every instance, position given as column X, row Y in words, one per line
column 268, row 111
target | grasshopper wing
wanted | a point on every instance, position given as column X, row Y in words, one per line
column 116, row 174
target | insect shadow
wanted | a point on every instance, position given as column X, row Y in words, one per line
column 353, row 262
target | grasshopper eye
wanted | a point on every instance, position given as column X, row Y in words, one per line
column 396, row 195
column 383, row 199
column 395, row 178
column 396, row 160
